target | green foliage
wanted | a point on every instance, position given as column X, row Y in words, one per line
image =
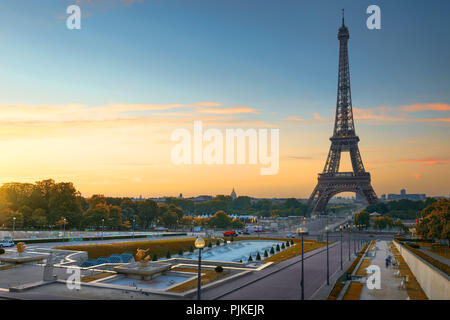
column 180, row 252
column 288, row 244
column 283, row 246
column 265, row 254
column 272, row 251
column 217, row 242
column 292, row 242
column 2, row 251
column 278, row 247
column 258, row 256
column 168, row 254
column 250, row 258
column 435, row 220
column 209, row 244
column 218, row 269
column 154, row 257
column 191, row 249
column 362, row 218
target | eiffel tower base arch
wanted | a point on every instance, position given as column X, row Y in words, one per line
column 330, row 185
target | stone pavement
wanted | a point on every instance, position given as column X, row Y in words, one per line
column 389, row 282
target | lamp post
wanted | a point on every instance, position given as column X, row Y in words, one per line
column 328, row 264
column 64, row 228
column 103, row 227
column 340, row 230
column 134, row 222
column 354, row 241
column 199, row 244
column 349, row 240
column 301, row 231
column 14, row 227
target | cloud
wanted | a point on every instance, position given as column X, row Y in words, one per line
column 402, row 113
column 294, row 118
column 427, row 161
column 318, row 117
column 427, row 107
column 233, row 110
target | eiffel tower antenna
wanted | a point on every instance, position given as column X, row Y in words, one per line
column 344, row 139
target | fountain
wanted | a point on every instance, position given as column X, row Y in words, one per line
column 142, row 268
column 21, row 256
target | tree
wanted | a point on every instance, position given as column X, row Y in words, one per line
column 169, row 219
column 435, row 221
column 362, row 218
column 220, row 220
column 147, row 212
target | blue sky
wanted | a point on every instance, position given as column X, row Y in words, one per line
column 276, row 55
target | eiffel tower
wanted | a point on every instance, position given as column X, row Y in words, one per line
column 331, row 181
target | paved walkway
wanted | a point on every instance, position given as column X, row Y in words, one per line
column 389, row 282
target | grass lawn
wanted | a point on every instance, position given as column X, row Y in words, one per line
column 362, row 268
column 158, row 247
column 294, row 251
column 96, row 276
column 353, row 291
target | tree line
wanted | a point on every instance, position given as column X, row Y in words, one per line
column 47, row 205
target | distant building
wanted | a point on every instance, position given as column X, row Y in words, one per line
column 383, row 197
column 233, row 194
column 404, row 195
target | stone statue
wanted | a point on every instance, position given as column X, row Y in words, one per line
column 141, row 258
column 21, row 248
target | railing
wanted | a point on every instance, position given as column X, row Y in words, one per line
column 343, row 174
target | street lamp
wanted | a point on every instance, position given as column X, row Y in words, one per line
column 199, row 244
column 340, row 229
column 14, row 227
column 349, row 240
column 103, row 227
column 302, row 231
column 328, row 264
column 134, row 223
column 64, row 226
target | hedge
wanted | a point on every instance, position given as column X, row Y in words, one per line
column 441, row 266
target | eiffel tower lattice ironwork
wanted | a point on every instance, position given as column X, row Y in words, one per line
column 344, row 139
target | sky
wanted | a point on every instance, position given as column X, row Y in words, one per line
column 97, row 106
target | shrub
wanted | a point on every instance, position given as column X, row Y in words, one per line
column 155, row 257
column 278, row 247
column 180, row 252
column 217, row 243
column 292, row 242
column 258, row 256
column 288, row 244
column 218, row 269
column 191, row 249
column 2, row 251
column 232, row 239
column 265, row 254
column 210, row 244
column 272, row 251
column 168, row 255
column 250, row 258
column 283, row 246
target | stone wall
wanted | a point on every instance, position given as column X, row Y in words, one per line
column 434, row 282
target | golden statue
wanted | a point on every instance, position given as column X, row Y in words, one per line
column 141, row 258
column 21, row 247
